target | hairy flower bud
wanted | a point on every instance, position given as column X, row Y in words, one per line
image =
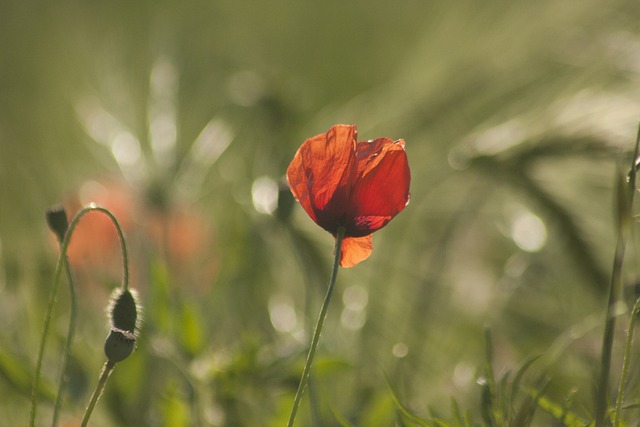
column 123, row 311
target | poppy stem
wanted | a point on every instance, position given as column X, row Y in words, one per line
column 73, row 316
column 318, row 329
column 63, row 262
column 106, row 371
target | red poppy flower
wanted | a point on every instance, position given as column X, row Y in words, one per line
column 360, row 186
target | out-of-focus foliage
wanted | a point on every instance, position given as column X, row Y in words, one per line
column 182, row 118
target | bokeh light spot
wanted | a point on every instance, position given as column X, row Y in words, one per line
column 463, row 374
column 528, row 231
column 264, row 194
column 353, row 319
column 212, row 141
column 355, row 297
column 282, row 314
column 126, row 149
column 400, row 350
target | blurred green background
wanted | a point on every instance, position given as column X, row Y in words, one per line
column 183, row 116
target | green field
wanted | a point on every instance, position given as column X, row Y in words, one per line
column 483, row 303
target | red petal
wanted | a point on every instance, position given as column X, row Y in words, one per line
column 382, row 187
column 322, row 173
column 367, row 151
column 354, row 250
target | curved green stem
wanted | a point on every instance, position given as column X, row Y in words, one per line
column 318, row 329
column 626, row 363
column 54, row 290
column 104, row 375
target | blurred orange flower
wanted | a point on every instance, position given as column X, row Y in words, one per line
column 360, row 186
column 178, row 235
column 95, row 241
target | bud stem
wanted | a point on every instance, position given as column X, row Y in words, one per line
column 52, row 297
column 73, row 315
column 104, row 375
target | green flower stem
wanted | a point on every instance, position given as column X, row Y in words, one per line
column 73, row 316
column 54, row 290
column 626, row 362
column 104, row 375
column 318, row 329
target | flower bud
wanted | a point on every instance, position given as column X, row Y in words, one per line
column 119, row 345
column 57, row 221
column 123, row 311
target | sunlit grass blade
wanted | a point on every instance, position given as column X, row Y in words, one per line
column 461, row 419
column 515, row 385
column 488, row 386
column 558, row 412
column 404, row 411
column 523, row 416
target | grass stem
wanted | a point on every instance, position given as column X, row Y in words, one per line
column 626, row 363
column 625, row 195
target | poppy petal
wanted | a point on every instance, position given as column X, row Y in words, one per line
column 354, row 250
column 368, row 151
column 299, row 185
column 322, row 172
column 382, row 187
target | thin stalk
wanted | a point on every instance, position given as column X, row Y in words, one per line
column 104, row 375
column 318, row 329
column 626, row 363
column 73, row 316
column 607, row 341
column 54, row 290
column 631, row 189
column 624, row 216
column 313, row 399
